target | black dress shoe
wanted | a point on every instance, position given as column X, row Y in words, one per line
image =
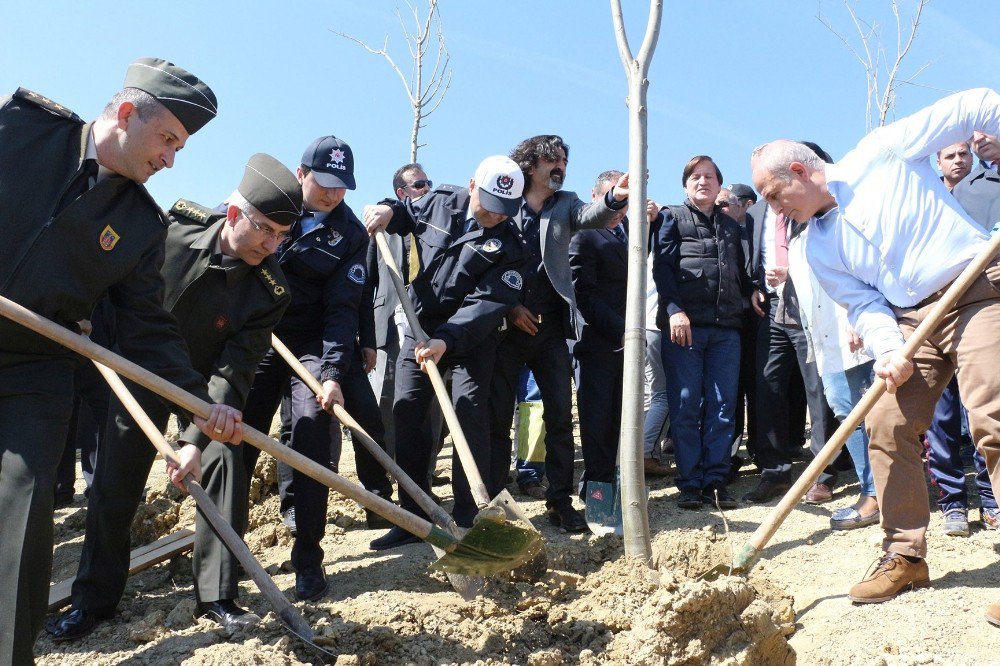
column 74, row 624
column 394, row 538
column 228, row 614
column 311, row 584
column 567, row 519
column 767, row 489
column 726, row 500
column 373, row 521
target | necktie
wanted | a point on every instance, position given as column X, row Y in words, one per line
column 780, row 241
column 83, row 181
column 619, row 233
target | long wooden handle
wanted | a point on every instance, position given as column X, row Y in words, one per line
column 928, row 326
column 476, row 485
column 199, row 407
column 211, row 512
column 438, row 515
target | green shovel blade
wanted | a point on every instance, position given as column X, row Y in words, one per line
column 490, row 548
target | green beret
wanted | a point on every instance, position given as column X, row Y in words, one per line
column 183, row 93
column 272, row 189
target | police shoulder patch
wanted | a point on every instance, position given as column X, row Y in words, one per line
column 356, row 274
column 513, row 280
column 492, row 245
column 46, row 103
column 192, row 211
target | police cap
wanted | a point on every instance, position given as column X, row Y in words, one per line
column 272, row 189
column 183, row 93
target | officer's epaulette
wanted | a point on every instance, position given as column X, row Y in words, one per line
column 270, row 274
column 47, row 104
column 192, row 211
column 448, row 189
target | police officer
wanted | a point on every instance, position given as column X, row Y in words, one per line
column 470, row 259
column 324, row 262
column 77, row 224
column 227, row 293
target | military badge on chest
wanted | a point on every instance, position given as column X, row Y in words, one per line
column 221, row 322
column 108, row 239
column 492, row 246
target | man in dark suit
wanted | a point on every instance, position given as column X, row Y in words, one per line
column 787, row 381
column 599, row 261
column 539, row 325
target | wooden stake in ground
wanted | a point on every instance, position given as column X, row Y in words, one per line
column 635, row 516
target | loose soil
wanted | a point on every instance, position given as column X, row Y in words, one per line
column 594, row 607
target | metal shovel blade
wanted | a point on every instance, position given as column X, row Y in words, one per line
column 490, row 548
column 296, row 624
column 535, row 568
column 603, row 508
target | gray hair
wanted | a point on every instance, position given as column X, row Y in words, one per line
column 147, row 105
column 776, row 157
column 609, row 176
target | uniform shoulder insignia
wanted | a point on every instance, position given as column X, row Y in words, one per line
column 448, row 188
column 192, row 211
column 46, row 103
column 272, row 277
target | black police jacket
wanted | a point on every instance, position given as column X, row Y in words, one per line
column 326, row 273
column 468, row 280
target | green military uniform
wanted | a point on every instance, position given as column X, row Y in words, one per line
column 226, row 310
column 65, row 245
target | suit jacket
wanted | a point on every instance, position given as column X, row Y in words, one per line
column 562, row 216
column 979, row 194
column 599, row 263
column 383, row 295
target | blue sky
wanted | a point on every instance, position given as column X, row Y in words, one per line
column 726, row 76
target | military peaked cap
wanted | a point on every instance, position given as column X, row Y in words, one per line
column 183, row 93
column 272, row 189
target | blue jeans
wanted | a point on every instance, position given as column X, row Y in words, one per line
column 701, row 392
column 654, row 425
column 843, row 390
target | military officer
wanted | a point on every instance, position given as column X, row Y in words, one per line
column 324, row 262
column 78, row 224
column 470, row 258
column 227, row 293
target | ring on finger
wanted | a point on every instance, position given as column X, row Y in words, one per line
column 217, row 431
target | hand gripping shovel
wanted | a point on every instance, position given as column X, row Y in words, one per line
column 287, row 614
column 503, row 505
column 479, row 553
column 748, row 554
column 467, row 586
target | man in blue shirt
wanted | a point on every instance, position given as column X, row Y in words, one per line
column 888, row 239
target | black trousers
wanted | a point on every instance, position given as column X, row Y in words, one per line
column 123, row 464
column 86, row 431
column 746, row 389
column 36, row 402
column 470, row 393
column 785, row 376
column 599, row 376
column 547, row 355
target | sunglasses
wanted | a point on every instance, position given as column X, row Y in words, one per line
column 420, row 184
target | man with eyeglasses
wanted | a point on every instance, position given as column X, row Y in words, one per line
column 227, row 293
column 324, row 262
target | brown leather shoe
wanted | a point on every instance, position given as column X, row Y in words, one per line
column 893, row 574
column 819, row 493
column 993, row 614
column 653, row 467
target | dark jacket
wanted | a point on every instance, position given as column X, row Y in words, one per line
column 699, row 268
column 326, row 273
column 109, row 241
column 225, row 310
column 467, row 281
column 599, row 262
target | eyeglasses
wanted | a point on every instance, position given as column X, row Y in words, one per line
column 420, row 184
column 278, row 236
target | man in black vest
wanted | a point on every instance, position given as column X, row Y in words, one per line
column 78, row 225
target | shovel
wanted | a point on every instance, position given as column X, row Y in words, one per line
column 604, row 508
column 467, row 586
column 287, row 614
column 749, row 553
column 502, row 507
column 487, row 548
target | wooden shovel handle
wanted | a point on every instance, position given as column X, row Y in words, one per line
column 224, row 530
column 428, row 505
column 929, row 325
column 472, row 473
column 199, row 407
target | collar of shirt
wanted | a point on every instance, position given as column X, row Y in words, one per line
column 311, row 220
column 91, row 154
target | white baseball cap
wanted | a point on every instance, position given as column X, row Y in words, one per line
column 500, row 184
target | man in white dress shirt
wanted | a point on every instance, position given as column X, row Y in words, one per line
column 888, row 239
